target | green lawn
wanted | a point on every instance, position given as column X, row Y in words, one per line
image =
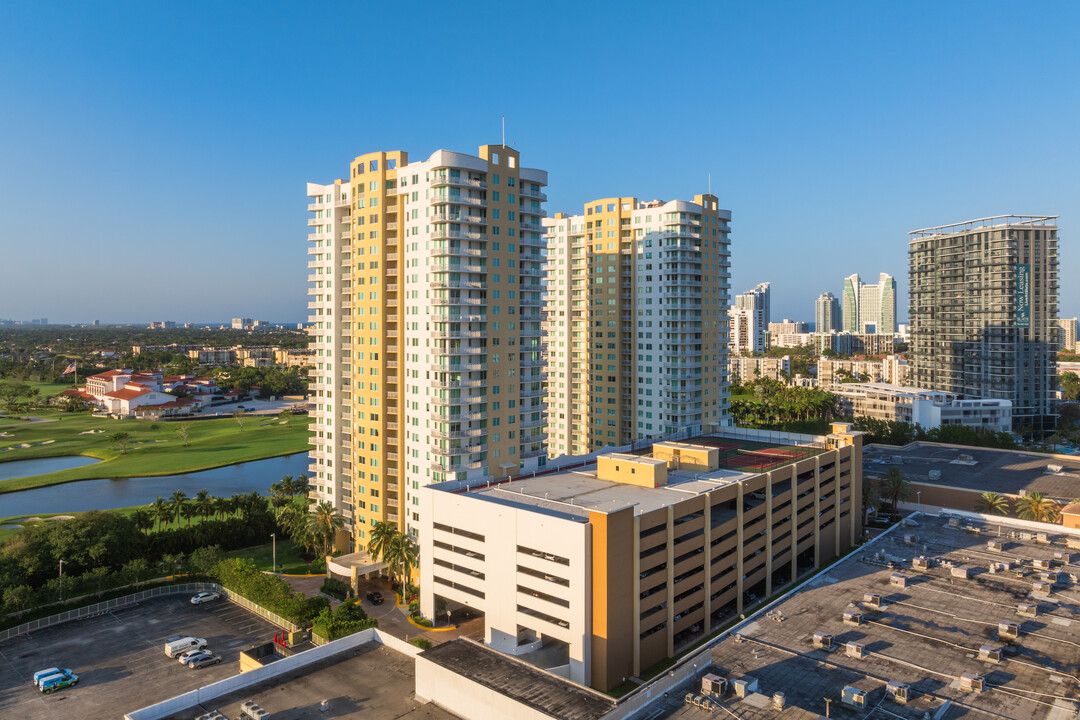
column 154, row 448
column 288, row 558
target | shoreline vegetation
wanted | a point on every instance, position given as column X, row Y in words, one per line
column 151, row 449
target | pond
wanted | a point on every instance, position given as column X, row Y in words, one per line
column 84, row 495
column 24, row 468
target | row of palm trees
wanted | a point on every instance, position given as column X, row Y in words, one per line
column 313, row 528
column 1032, row 506
column 774, row 402
column 179, row 507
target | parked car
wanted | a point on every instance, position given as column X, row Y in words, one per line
column 203, row 597
column 42, row 674
column 375, row 597
column 186, row 658
column 204, row 660
column 58, row 682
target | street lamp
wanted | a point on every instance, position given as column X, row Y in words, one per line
column 61, row 579
column 273, row 538
column 918, row 499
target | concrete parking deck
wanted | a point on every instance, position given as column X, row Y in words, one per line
column 120, row 658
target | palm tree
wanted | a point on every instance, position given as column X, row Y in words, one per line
column 871, row 500
column 300, row 485
column 288, row 486
column 189, row 511
column 162, row 511
column 402, row 552
column 235, row 503
column 894, row 487
column 177, row 500
column 205, row 504
column 1038, row 507
column 221, row 507
column 324, row 521
column 143, row 519
column 382, row 534
column 992, row 503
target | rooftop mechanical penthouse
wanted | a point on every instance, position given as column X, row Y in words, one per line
column 599, row 572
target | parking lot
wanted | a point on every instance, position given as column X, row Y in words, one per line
column 120, row 658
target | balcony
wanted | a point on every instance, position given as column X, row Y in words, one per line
column 441, row 249
column 458, row 200
column 445, row 180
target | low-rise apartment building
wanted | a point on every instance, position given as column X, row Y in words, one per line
column 748, row 369
column 927, row 408
column 832, row 371
column 633, row 559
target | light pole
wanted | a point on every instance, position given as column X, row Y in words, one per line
column 273, row 538
column 918, row 500
column 61, row 579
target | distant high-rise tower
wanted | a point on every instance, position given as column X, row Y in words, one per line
column 750, row 317
column 827, row 313
column 870, row 308
column 984, row 297
column 636, row 294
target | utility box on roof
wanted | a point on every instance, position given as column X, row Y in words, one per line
column 855, row 650
column 744, row 686
column 853, row 696
column 713, row 685
column 823, row 641
column 898, row 691
column 971, row 683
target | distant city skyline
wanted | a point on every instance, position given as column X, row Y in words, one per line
column 183, row 135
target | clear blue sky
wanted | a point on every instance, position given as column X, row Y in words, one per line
column 153, row 155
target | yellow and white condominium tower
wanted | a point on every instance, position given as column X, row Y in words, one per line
column 426, row 299
column 637, row 296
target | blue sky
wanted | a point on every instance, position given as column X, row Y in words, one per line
column 153, row 155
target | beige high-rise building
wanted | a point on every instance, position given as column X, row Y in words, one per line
column 426, row 304
column 636, row 323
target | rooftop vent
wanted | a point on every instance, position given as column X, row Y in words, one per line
column 990, row 653
column 971, row 683
column 872, row 600
column 911, row 539
column 779, row 701
column 713, row 685
column 855, row 650
column 823, row 641
column 898, row 691
column 1008, row 630
column 853, row 696
column 936, row 475
column 1027, row 609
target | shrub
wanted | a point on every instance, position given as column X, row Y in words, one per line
column 336, row 588
column 270, row 591
column 347, row 619
column 422, row 643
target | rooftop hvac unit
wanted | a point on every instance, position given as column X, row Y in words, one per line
column 989, row 653
column 936, row 475
column 713, row 685
column 872, row 600
column 1027, row 609
column 921, row 562
column 823, row 641
column 1063, row 557
column 994, row 545
column 953, row 521
column 965, row 458
column 897, row 580
column 855, row 650
column 1050, row 576
column 960, row 571
column 1041, row 588
column 1026, row 535
column 779, row 701
column 971, row 683
column 911, row 539
column 852, row 618
column 744, row 686
column 212, row 715
column 853, row 696
column 1054, row 468
column 1072, row 542
column 1008, row 630
column 1040, row 564
column 252, row 711
column 898, row 691
column 1042, row 538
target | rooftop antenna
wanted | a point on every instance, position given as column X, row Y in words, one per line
column 710, row 183
column 504, row 130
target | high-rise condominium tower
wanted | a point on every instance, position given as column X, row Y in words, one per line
column 984, row 304
column 426, row 304
column 636, row 293
column 827, row 313
column 870, row 308
column 749, row 319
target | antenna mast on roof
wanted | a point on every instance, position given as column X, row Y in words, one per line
column 710, row 183
column 504, row 130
